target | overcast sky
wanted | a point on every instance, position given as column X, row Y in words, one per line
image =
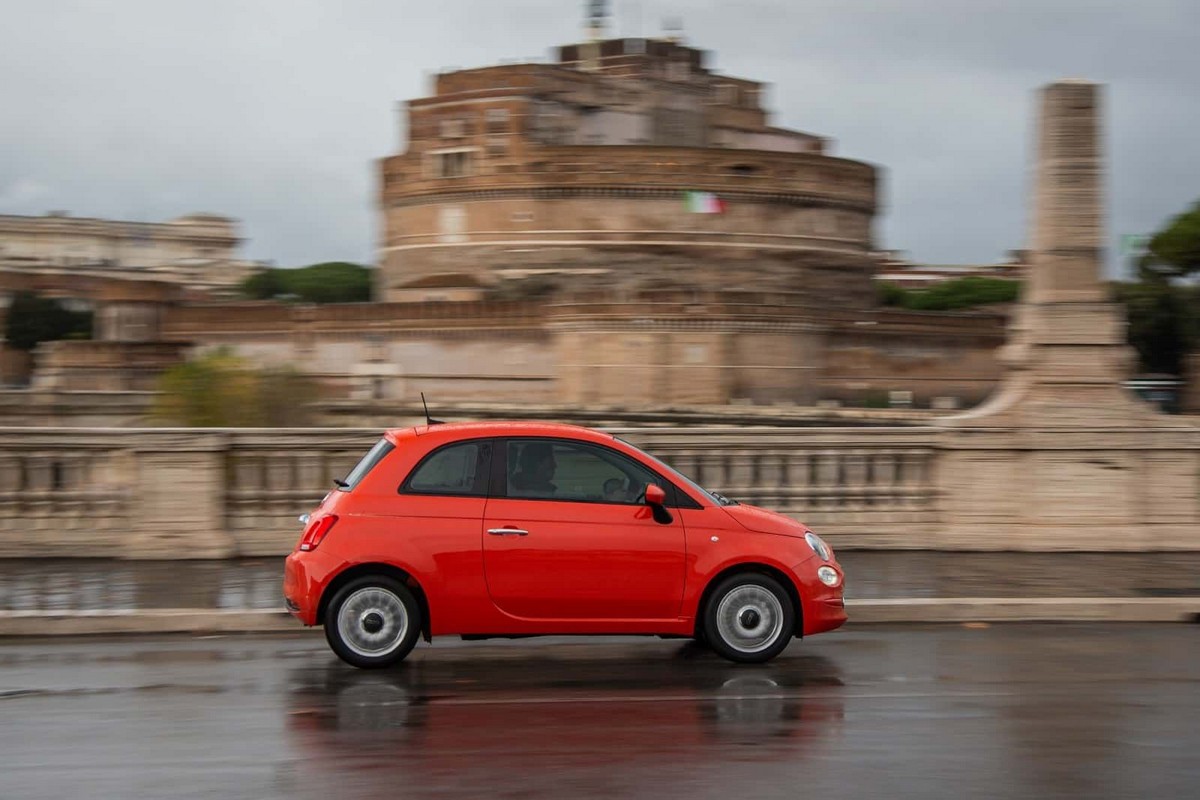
column 274, row 111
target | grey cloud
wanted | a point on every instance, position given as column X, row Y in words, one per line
column 275, row 111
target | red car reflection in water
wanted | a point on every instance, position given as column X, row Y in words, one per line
column 517, row 529
column 558, row 722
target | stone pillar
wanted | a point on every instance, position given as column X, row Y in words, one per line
column 1066, row 359
column 1068, row 224
column 1063, row 457
column 177, row 502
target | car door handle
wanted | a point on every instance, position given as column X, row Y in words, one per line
column 507, row 532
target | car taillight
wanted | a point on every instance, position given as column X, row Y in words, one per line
column 316, row 531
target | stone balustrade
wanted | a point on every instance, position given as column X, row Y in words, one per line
column 171, row 493
column 213, row 493
column 864, row 487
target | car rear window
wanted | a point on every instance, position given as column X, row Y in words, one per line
column 455, row 469
column 366, row 464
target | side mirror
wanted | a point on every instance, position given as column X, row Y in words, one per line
column 655, row 497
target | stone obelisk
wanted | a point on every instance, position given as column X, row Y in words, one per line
column 1063, row 457
column 1067, row 357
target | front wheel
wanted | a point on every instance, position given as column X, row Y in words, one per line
column 749, row 618
column 373, row 622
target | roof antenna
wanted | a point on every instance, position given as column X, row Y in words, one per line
column 428, row 419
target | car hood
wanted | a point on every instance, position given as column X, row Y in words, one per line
column 761, row 520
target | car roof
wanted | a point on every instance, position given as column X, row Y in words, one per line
column 465, row 430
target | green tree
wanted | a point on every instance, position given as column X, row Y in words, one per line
column 330, row 282
column 953, row 294
column 1164, row 322
column 262, row 285
column 33, row 319
column 1175, row 250
column 219, row 390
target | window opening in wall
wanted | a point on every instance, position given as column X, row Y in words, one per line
column 743, row 169
column 454, row 128
column 454, row 164
column 497, row 117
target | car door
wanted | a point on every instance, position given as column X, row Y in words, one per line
column 568, row 537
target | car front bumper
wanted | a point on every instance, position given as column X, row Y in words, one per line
column 823, row 607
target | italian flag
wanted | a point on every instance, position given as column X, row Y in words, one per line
column 703, row 203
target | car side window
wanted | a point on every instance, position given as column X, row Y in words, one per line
column 551, row 469
column 456, row 469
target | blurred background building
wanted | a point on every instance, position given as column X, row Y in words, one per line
column 894, row 267
column 626, row 164
column 622, row 228
column 198, row 251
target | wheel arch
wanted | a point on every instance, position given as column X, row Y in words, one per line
column 377, row 568
column 788, row 584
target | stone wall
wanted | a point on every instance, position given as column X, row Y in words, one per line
column 15, row 366
column 795, row 221
column 387, row 351
column 946, row 360
column 671, row 347
column 99, row 366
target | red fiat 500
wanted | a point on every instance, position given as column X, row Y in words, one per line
column 517, row 529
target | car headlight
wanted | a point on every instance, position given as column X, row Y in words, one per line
column 828, row 576
column 818, row 545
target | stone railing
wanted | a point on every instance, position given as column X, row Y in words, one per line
column 60, row 492
column 861, row 486
column 165, row 493
column 274, row 476
column 213, row 493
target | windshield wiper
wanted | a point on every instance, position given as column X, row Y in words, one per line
column 341, row 484
column 725, row 501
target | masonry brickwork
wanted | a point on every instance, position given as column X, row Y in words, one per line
column 578, row 171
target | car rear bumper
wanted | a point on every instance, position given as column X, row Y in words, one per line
column 304, row 578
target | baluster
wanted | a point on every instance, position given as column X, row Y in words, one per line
column 770, row 479
column 854, row 476
column 740, row 472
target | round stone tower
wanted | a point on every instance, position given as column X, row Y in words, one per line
column 627, row 164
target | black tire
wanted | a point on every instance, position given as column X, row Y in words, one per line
column 756, row 623
column 381, row 623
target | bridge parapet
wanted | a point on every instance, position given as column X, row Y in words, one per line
column 219, row 493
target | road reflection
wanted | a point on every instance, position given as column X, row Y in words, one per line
column 450, row 723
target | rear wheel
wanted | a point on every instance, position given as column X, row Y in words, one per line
column 749, row 618
column 372, row 622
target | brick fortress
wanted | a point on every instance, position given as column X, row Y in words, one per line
column 629, row 165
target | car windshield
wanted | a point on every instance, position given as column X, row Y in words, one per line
column 719, row 499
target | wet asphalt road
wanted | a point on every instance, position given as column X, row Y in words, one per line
column 1021, row 711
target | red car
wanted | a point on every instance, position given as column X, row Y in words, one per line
column 508, row 529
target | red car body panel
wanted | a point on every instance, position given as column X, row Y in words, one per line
column 583, row 568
